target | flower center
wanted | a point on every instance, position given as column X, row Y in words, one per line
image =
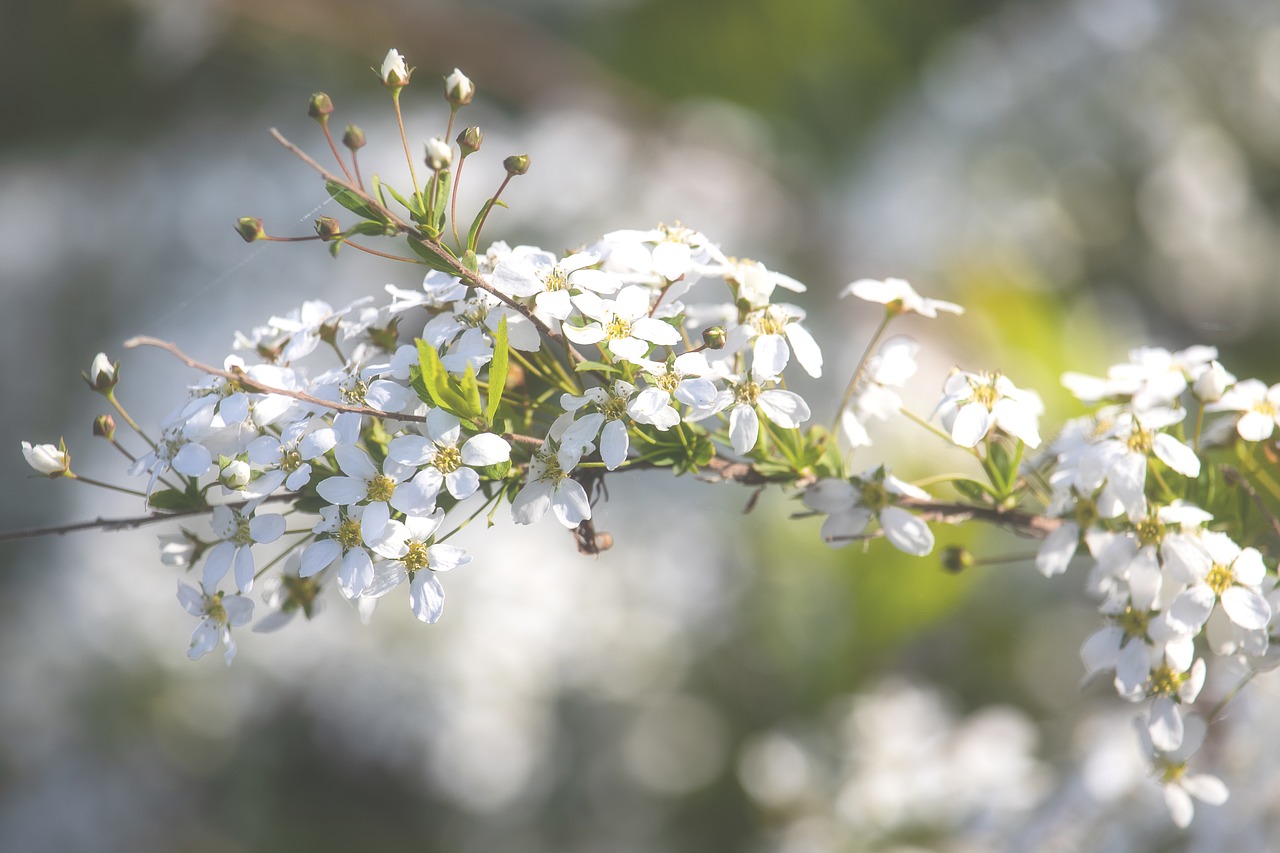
column 241, row 535
column 1149, row 531
column 354, row 392
column 875, row 496
column 1134, row 622
column 1171, row 774
column 747, row 393
column 551, row 471
column 1220, row 579
column 447, row 459
column 381, row 488
column 556, row 280
column 668, row 382
column 1140, row 441
column 984, row 391
column 290, row 459
column 214, row 611
column 1264, row 407
column 768, row 323
column 617, row 328
column 1086, row 513
column 416, row 559
column 1165, row 681
column 614, row 408
column 349, row 534
column 473, row 315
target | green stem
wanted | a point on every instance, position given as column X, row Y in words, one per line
column 395, row 98
column 102, row 485
column 111, row 398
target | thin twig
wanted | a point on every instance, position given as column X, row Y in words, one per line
column 248, row 382
column 1235, row 478
column 111, row 524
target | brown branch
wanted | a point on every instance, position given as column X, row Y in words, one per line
column 111, row 524
column 435, row 246
column 246, row 381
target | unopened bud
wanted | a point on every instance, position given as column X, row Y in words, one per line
column 714, row 337
column 1212, row 383
column 103, row 374
column 439, row 154
column 328, row 228
column 353, row 137
column 250, row 228
column 516, row 164
column 47, row 459
column 104, row 426
column 395, row 75
column 234, row 474
column 469, row 140
column 956, row 558
column 319, row 107
column 458, row 88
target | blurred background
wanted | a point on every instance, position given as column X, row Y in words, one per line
column 1084, row 175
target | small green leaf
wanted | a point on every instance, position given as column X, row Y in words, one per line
column 498, row 367
column 474, row 234
column 471, row 392
column 977, row 492
column 403, row 201
column 470, row 261
column 440, row 200
column 497, row 471
column 367, row 229
column 598, row 366
column 430, row 254
column 436, row 381
column 172, row 500
column 354, row 203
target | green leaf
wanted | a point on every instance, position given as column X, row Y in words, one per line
column 354, row 203
column 598, row 366
column 436, row 381
column 470, row 261
column 172, row 500
column 1001, row 467
column 977, row 492
column 498, row 367
column 335, row 246
column 440, row 200
column 367, row 229
column 403, row 201
column 497, row 471
column 474, row 234
column 431, row 255
column 471, row 391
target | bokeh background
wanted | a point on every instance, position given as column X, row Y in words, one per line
column 1084, row 175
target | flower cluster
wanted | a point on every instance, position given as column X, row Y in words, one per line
column 521, row 377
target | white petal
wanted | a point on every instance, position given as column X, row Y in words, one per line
column 374, row 520
column 1176, row 455
column 1205, row 788
column 806, row 349
column 786, row 409
column 217, row 563
column 267, row 528
column 1191, row 608
column 203, row 640
column 318, row 556
column 426, row 597
column 614, row 444
column 356, row 573
column 905, row 531
column 971, row 425
column 244, row 568
column 354, row 462
column 1058, row 549
column 655, row 331
column 1100, row 650
column 192, row 460
column 744, row 428
column 191, row 599
column 1181, row 809
column 1246, row 608
column 841, row 528
column 444, row 558
column 342, row 490
column 769, row 357
column 569, row 503
column 485, row 449
column 1255, row 426
column 1165, row 724
column 531, row 503
column 410, row 449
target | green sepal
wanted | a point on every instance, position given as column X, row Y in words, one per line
column 172, row 500
column 354, row 203
column 473, row 235
column 497, row 471
column 498, row 368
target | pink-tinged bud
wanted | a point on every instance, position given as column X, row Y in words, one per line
column 395, row 75
column 516, row 164
column 328, row 228
column 250, row 228
column 103, row 374
column 353, row 137
column 458, row 89
column 47, row 459
column 104, row 426
column 439, row 154
column 319, row 107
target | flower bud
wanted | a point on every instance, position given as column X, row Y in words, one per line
column 319, row 107
column 956, row 558
column 439, row 154
column 1212, row 383
column 516, row 164
column 104, row 426
column 328, row 228
column 353, row 137
column 394, row 73
column 458, row 89
column 714, row 337
column 250, row 228
column 102, row 375
column 469, row 140
column 234, row 474
column 47, row 459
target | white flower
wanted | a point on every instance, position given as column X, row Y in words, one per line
column 340, row 533
column 1170, row 768
column 239, row 529
column 663, row 255
column 776, row 332
column 851, row 505
column 47, row 459
column 377, row 490
column 1119, row 460
column 290, row 455
column 623, row 323
column 530, row 272
column 611, row 408
column 755, row 283
column 549, row 486
column 892, row 365
column 218, row 614
column 442, row 461
column 1152, row 378
column 974, row 403
column 394, row 73
column 784, row 408
column 1260, row 404
column 439, row 154
column 412, row 555
column 681, row 378
column 1231, row 577
column 102, row 373
column 1212, row 382
column 898, row 297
